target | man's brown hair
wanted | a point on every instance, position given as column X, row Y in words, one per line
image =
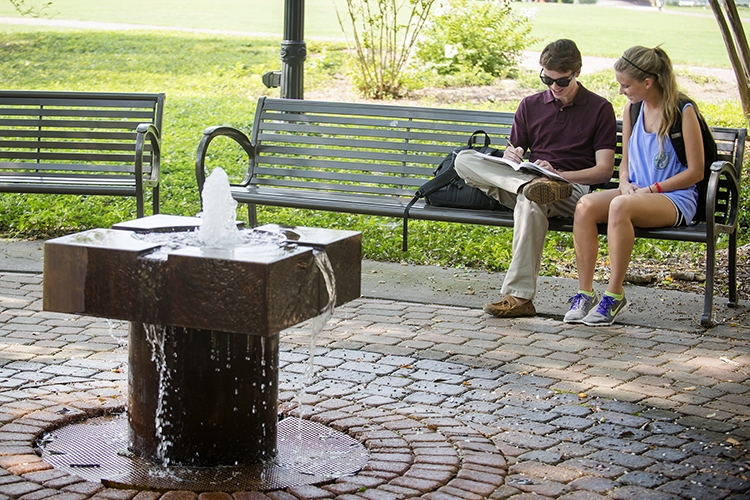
column 561, row 56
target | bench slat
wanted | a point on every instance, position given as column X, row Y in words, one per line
column 75, row 124
column 335, row 156
column 322, row 189
column 70, row 167
column 81, row 113
column 79, row 99
column 69, row 145
column 405, row 186
column 52, row 177
column 275, row 166
column 339, row 202
column 94, row 189
column 74, row 157
column 352, row 141
column 105, row 135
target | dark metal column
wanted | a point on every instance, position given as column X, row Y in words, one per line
column 293, row 51
column 202, row 397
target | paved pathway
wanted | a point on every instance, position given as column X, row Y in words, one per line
column 451, row 403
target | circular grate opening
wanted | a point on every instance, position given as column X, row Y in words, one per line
column 308, row 453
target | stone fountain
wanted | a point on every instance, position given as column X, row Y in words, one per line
column 203, row 346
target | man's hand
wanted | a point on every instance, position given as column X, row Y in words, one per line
column 546, row 165
column 514, row 154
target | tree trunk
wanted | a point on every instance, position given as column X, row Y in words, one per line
column 737, row 47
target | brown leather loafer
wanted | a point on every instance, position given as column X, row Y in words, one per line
column 508, row 307
column 544, row 191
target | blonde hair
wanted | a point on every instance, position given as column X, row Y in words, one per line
column 641, row 63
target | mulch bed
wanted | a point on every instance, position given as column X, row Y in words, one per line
column 687, row 273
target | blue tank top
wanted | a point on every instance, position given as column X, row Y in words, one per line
column 649, row 163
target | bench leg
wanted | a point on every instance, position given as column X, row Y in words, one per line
column 252, row 214
column 139, row 200
column 732, row 263
column 405, row 235
column 708, row 300
column 156, row 199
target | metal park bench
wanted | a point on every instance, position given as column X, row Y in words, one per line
column 86, row 143
column 371, row 158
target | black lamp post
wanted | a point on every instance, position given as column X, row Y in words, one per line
column 293, row 53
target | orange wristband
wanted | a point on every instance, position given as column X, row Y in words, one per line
column 658, row 187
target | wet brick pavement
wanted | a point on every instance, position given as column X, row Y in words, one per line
column 450, row 402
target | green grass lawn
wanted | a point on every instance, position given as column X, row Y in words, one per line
column 249, row 16
column 212, row 79
column 688, row 38
column 689, row 35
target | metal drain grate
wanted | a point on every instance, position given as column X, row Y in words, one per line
column 308, row 453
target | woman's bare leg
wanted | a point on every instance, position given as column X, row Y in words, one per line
column 590, row 210
column 625, row 212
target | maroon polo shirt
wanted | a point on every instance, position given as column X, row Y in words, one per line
column 565, row 135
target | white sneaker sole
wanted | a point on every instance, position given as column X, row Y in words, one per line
column 622, row 309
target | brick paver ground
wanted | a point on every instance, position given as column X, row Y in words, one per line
column 450, row 402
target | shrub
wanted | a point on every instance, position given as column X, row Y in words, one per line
column 383, row 36
column 31, row 11
column 475, row 38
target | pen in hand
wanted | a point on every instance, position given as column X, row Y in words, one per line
column 511, row 152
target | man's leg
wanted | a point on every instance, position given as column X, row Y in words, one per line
column 530, row 224
column 494, row 179
column 503, row 182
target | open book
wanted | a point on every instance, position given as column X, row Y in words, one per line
column 525, row 166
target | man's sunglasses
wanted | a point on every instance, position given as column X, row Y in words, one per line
column 561, row 82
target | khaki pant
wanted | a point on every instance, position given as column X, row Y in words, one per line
column 529, row 218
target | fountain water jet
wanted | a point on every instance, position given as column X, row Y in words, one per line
column 204, row 325
column 219, row 226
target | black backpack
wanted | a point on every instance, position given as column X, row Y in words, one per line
column 447, row 189
column 710, row 153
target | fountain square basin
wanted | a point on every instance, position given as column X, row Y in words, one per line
column 256, row 290
column 204, row 327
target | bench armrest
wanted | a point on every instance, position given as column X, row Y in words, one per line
column 144, row 132
column 209, row 135
column 728, row 216
column 147, row 132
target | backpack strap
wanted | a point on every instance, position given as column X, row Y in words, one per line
column 438, row 182
column 473, row 139
column 635, row 110
column 675, row 131
column 441, row 180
